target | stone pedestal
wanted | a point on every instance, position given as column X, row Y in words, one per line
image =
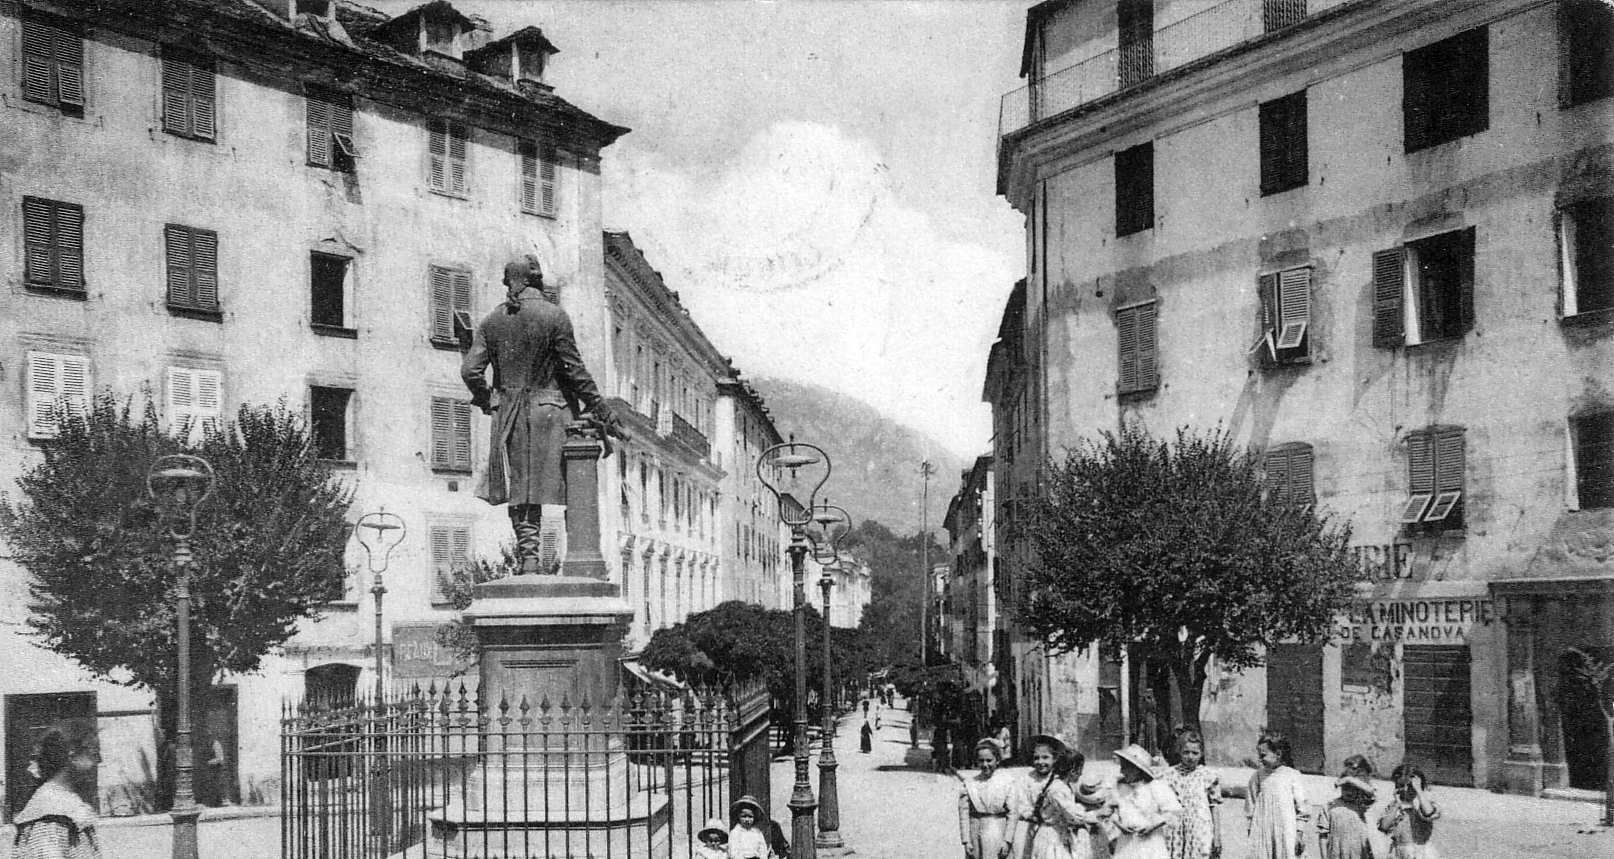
column 546, row 789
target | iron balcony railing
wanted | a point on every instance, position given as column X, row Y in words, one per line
column 1215, row 28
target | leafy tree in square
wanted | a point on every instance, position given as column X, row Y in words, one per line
column 268, row 547
column 1175, row 551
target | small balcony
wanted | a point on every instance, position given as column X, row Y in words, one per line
column 1161, row 49
column 684, row 432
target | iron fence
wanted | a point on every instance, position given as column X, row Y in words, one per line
column 446, row 772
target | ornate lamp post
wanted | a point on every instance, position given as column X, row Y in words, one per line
column 179, row 483
column 379, row 533
column 830, row 524
column 793, row 472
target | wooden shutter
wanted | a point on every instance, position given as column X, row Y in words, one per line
column 1450, row 460
column 442, row 431
column 209, row 406
column 69, row 246
column 69, row 57
column 52, row 379
column 461, row 294
column 439, row 156
column 547, row 168
column 177, row 242
column 1148, row 359
column 1126, row 324
column 1267, row 286
column 462, row 434
column 181, row 401
column 1389, row 282
column 205, row 264
column 456, row 158
column 1465, row 294
column 529, row 177
column 1277, row 475
column 202, row 102
column 39, row 241
column 442, row 563
column 1302, row 489
column 176, row 96
column 1294, row 307
column 1420, row 462
column 442, row 286
column 319, row 130
column 38, row 58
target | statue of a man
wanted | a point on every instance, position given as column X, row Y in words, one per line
column 538, row 381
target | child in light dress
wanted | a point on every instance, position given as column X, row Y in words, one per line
column 1198, row 834
column 1410, row 817
column 714, row 841
column 1045, row 820
column 1145, row 808
column 1275, row 803
column 747, row 840
column 983, row 803
column 1342, row 828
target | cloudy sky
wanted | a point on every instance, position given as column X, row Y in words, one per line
column 814, row 177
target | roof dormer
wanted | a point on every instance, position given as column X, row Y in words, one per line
column 435, row 27
column 521, row 56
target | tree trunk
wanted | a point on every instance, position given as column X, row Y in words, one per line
column 1187, row 685
column 1608, row 770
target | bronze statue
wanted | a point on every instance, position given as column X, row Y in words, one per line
column 539, row 386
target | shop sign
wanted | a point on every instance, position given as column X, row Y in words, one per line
column 416, row 653
column 1420, row 621
column 1387, row 562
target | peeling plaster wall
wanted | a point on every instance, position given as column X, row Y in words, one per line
column 1512, row 382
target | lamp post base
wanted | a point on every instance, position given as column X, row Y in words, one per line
column 185, row 831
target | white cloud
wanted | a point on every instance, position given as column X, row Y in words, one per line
column 800, row 261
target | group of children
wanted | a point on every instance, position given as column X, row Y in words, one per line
column 1159, row 812
column 751, row 837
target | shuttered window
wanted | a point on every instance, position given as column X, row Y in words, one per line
column 52, row 64
column 451, row 557
column 538, row 178
column 1288, row 469
column 1139, row 362
column 330, row 130
column 1389, row 286
column 447, row 150
column 1283, row 149
column 451, row 293
column 1586, row 248
column 1277, row 14
column 1587, row 28
column 1593, row 437
column 1135, row 35
column 1134, row 189
column 56, row 382
column 195, row 402
column 193, row 268
column 1436, row 463
column 451, row 434
column 1285, row 315
column 1445, row 90
column 188, row 97
column 53, row 239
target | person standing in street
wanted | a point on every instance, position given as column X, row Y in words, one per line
column 865, row 739
column 983, row 803
column 1045, row 821
column 1342, row 827
column 57, row 823
column 1410, row 817
column 1275, row 803
column 1198, row 835
column 1145, row 808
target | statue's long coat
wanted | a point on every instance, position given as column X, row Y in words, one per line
column 536, row 370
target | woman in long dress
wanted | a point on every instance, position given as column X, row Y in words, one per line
column 1275, row 803
column 56, row 823
column 983, row 803
column 1145, row 807
column 1045, row 821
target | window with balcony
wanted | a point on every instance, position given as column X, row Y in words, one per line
column 53, row 64
column 1586, row 256
column 1283, row 144
column 1592, row 435
column 53, row 246
column 1134, row 189
column 1424, row 291
column 1587, row 41
column 1436, row 461
column 1445, row 90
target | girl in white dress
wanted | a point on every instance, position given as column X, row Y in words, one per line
column 1275, row 803
column 1045, row 821
column 1145, row 806
column 983, row 803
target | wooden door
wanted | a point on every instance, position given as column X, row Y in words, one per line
column 1438, row 712
column 28, row 717
column 1295, row 700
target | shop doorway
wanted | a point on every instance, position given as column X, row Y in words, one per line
column 27, row 718
column 1581, row 717
column 1438, row 713
column 1295, row 700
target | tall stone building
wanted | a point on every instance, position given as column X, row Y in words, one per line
column 755, row 541
column 1373, row 241
column 239, row 201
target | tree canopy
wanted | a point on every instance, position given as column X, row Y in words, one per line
column 1175, row 550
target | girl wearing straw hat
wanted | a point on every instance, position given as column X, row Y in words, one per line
column 983, row 803
column 1144, row 807
column 714, row 841
column 748, row 840
column 1045, row 821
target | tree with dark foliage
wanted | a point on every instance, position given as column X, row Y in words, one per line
column 1175, row 551
column 268, row 547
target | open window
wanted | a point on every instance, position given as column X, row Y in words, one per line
column 330, row 294
column 1586, row 256
column 1424, row 290
column 1285, row 316
column 1592, row 436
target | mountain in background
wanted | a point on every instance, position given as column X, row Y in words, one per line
column 876, row 459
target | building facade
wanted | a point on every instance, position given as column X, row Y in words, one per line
column 237, row 202
column 666, row 480
column 973, row 627
column 755, row 541
column 1397, row 286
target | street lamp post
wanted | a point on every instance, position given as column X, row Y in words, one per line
column 830, row 524
column 379, row 533
column 179, row 483
column 780, row 469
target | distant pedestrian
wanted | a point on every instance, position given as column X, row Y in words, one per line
column 1275, row 804
column 56, row 823
column 1198, row 835
column 1006, row 742
column 866, row 739
column 1342, row 828
column 714, row 841
column 1410, row 817
column 983, row 804
column 1146, row 808
column 941, row 750
column 865, row 708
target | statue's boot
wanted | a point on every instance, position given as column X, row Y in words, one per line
column 529, row 542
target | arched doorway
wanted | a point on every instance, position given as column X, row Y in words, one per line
column 1585, row 730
